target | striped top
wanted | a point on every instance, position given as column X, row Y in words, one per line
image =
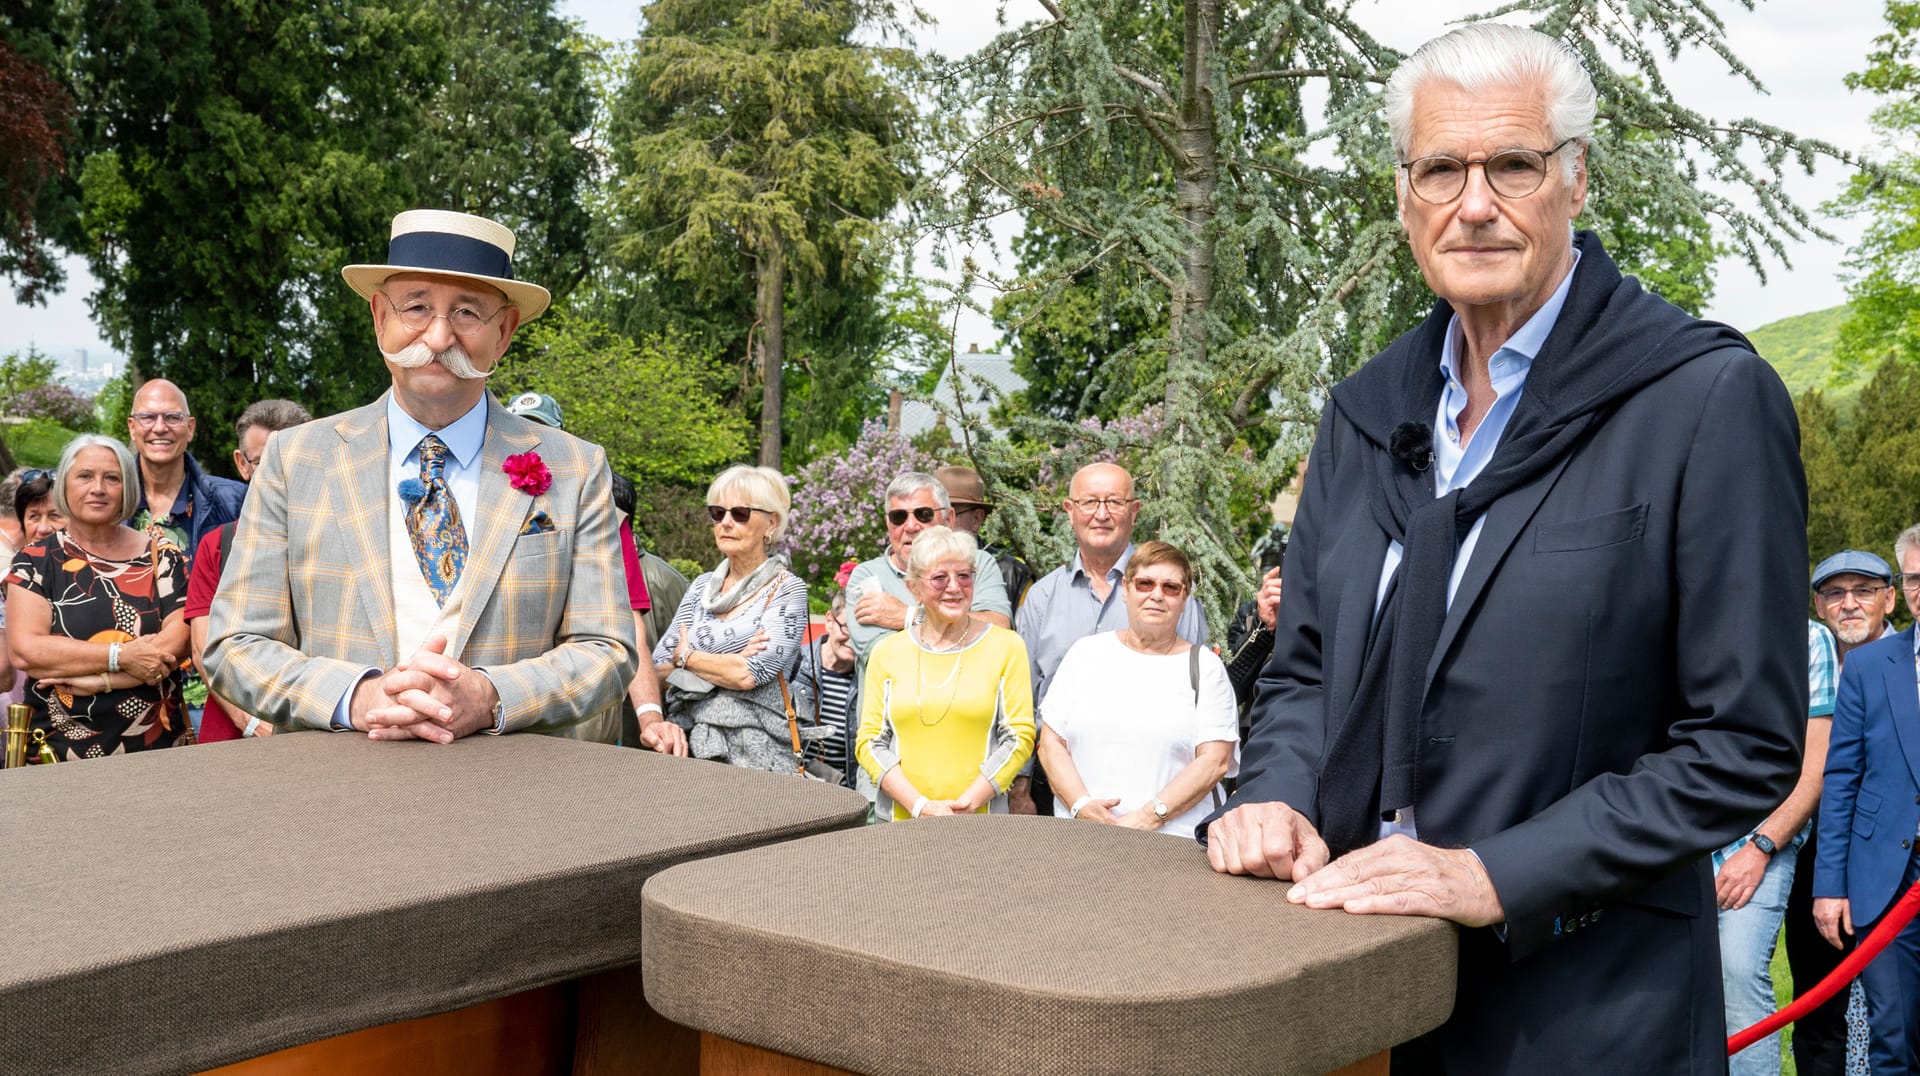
column 835, row 692
column 781, row 611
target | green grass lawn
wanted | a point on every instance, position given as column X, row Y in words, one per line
column 1782, row 994
column 37, row 442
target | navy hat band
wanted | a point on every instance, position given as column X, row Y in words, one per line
column 448, row 253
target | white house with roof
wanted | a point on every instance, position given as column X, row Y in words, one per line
column 915, row 417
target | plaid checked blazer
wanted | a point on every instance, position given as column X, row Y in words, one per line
column 306, row 603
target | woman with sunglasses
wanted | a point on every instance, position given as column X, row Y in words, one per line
column 734, row 640
column 946, row 709
column 1139, row 727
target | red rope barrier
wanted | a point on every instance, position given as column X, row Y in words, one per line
column 1891, row 924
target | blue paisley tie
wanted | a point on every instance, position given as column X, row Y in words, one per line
column 439, row 539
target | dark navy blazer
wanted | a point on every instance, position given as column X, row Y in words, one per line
column 1870, row 804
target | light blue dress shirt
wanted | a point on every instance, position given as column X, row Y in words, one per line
column 464, row 439
column 1456, row 464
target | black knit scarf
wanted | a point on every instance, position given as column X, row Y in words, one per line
column 1611, row 340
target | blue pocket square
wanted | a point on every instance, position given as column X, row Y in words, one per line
column 538, row 523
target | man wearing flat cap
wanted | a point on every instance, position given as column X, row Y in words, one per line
column 430, row 565
column 1542, row 650
column 1854, row 594
column 1869, row 854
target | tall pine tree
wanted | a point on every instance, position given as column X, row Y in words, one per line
column 236, row 154
column 758, row 147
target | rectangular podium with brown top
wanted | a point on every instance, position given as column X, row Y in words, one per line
column 999, row 944
column 185, row 909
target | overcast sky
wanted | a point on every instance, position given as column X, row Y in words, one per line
column 1799, row 48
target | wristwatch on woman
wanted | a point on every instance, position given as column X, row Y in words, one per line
column 1160, row 811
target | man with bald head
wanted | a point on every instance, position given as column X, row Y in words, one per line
column 179, row 501
column 1082, row 597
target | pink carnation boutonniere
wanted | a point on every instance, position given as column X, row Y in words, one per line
column 846, row 570
column 528, row 473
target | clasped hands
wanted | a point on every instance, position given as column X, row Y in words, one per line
column 429, row 696
column 1395, row 876
column 1101, row 811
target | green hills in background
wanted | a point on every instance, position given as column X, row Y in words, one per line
column 1801, row 349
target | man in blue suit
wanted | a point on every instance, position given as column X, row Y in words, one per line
column 1870, row 823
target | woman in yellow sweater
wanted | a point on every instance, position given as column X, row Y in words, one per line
column 946, row 710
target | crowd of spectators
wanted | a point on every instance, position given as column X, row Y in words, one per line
column 945, row 676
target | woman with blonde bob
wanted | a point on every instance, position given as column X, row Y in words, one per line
column 737, row 634
column 1140, row 726
column 95, row 614
column 946, row 709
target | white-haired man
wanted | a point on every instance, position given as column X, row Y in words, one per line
column 1541, row 649
column 430, row 565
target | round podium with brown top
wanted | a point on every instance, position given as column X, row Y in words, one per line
column 1018, row 945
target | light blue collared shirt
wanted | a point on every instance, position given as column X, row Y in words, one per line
column 464, row 439
column 1454, row 464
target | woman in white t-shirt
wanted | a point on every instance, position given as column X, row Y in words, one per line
column 1139, row 727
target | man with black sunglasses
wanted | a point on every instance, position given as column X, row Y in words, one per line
column 878, row 602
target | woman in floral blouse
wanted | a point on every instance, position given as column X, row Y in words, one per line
column 94, row 614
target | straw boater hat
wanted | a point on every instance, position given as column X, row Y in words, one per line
column 451, row 244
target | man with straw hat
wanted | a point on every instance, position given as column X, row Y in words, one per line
column 429, row 565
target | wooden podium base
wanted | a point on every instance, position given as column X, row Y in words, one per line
column 529, row 1033
column 598, row 1026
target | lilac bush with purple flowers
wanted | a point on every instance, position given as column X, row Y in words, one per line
column 836, row 503
column 55, row 403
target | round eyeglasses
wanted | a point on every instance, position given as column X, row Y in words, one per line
column 1512, row 173
column 416, row 315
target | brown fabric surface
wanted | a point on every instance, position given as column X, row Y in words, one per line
column 372, row 882
column 1020, row 945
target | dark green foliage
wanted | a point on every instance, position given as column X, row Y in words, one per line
column 237, row 154
column 1863, row 471
column 756, row 145
column 1884, row 294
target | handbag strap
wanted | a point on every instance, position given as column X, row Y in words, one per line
column 1218, row 795
column 793, row 725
